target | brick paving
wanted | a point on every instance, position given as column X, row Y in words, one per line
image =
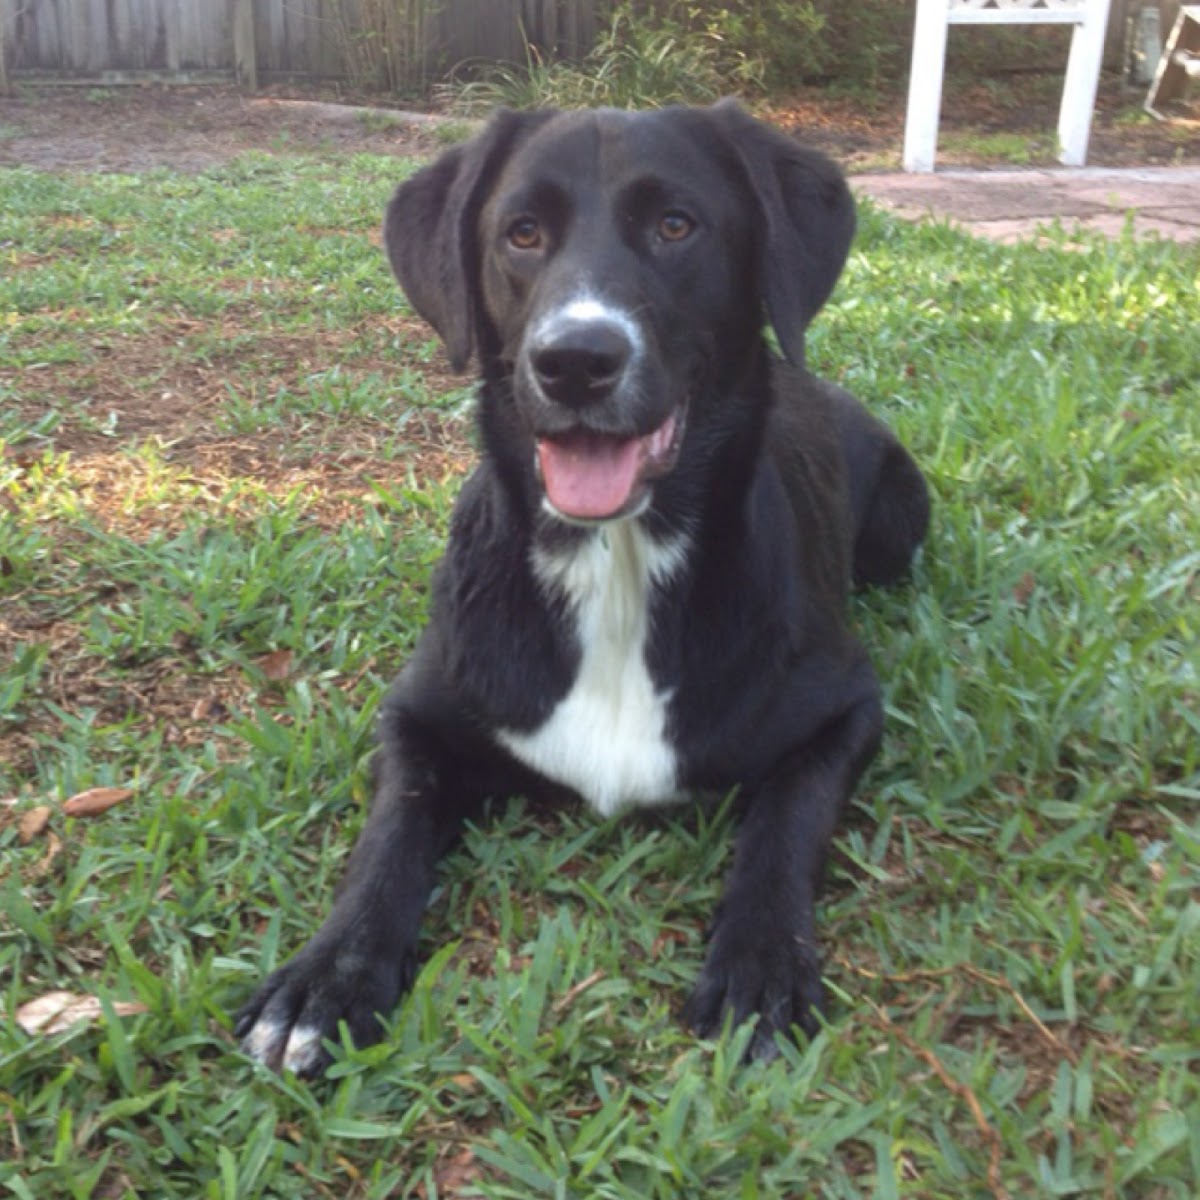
column 1015, row 205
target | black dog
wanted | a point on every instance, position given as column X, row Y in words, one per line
column 644, row 586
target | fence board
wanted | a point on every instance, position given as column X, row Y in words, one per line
column 296, row 37
column 471, row 29
column 85, row 37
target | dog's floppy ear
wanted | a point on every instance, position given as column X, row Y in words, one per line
column 430, row 229
column 808, row 221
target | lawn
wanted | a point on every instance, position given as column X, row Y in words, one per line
column 227, row 457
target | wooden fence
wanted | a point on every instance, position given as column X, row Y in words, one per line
column 195, row 39
column 111, row 40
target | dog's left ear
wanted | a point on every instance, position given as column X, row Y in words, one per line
column 808, row 219
column 430, row 229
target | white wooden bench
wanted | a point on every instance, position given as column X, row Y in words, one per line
column 934, row 18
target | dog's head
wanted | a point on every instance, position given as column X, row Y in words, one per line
column 610, row 271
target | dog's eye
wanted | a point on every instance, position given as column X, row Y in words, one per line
column 674, row 226
column 525, row 234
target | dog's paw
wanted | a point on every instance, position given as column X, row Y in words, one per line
column 301, row 1006
column 751, row 972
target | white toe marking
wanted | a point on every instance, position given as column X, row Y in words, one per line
column 303, row 1048
column 263, row 1040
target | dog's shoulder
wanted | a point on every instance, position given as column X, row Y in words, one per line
column 804, row 447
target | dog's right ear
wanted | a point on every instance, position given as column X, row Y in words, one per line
column 808, row 220
column 430, row 229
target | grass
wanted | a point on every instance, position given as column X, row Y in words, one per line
column 228, row 461
column 1019, row 149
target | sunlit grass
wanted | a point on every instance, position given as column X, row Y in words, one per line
column 229, row 454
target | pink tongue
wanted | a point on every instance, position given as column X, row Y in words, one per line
column 588, row 475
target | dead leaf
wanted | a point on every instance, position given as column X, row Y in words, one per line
column 455, row 1176
column 1024, row 588
column 95, row 801
column 33, row 823
column 56, row 1011
column 347, row 1166
column 668, row 937
column 53, row 850
column 209, row 708
column 277, row 665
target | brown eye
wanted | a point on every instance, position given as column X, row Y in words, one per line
column 675, row 226
column 525, row 234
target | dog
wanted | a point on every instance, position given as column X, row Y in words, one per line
column 644, row 589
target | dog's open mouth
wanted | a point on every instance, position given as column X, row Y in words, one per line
column 591, row 476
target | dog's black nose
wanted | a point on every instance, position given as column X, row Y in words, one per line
column 581, row 364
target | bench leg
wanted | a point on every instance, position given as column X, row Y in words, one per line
column 925, row 85
column 1079, row 87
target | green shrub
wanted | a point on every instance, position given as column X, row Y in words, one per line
column 693, row 51
column 764, row 45
column 637, row 62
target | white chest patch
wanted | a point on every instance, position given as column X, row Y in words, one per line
column 607, row 738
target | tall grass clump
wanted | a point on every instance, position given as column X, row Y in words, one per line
column 637, row 62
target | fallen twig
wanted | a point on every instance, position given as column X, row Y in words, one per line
column 980, row 976
column 988, row 1132
column 572, row 994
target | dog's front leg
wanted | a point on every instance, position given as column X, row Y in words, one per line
column 364, row 956
column 763, row 959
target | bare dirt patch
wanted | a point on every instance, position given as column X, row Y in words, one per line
column 169, row 694
column 1007, row 122
column 195, row 128
column 183, row 128
column 147, row 390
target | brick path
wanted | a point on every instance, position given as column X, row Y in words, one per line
column 1011, row 205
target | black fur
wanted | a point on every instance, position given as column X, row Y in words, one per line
column 784, row 490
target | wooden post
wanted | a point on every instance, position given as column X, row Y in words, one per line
column 245, row 56
column 3, row 69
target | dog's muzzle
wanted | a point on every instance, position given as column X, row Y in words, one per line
column 581, row 364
